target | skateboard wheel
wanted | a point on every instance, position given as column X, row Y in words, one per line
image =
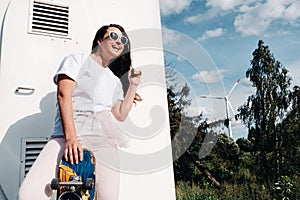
column 69, row 195
column 89, row 183
column 55, row 184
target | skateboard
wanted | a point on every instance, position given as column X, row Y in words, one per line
column 76, row 181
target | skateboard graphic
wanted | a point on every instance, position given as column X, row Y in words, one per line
column 76, row 181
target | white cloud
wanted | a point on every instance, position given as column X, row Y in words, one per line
column 246, row 87
column 226, row 4
column 212, row 33
column 255, row 20
column 170, row 37
column 216, row 8
column 252, row 17
column 294, row 72
column 208, row 76
column 292, row 11
column 246, row 82
column 208, row 15
column 168, row 7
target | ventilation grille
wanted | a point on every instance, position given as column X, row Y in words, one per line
column 31, row 148
column 50, row 18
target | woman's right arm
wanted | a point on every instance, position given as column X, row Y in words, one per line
column 65, row 87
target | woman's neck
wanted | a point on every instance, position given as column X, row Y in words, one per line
column 100, row 59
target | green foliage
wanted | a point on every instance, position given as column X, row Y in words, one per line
column 283, row 189
column 244, row 144
column 290, row 131
column 222, row 162
column 265, row 114
column 266, row 165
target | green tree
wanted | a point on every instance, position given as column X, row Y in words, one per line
column 223, row 159
column 265, row 109
column 290, row 142
column 185, row 133
column 204, row 156
column 244, row 144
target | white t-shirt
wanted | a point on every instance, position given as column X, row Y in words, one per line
column 97, row 88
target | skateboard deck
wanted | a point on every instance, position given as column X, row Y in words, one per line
column 76, row 181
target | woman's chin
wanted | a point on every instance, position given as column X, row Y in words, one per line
column 115, row 54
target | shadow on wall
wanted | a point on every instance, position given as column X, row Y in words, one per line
column 36, row 125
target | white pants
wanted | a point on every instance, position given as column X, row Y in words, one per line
column 36, row 185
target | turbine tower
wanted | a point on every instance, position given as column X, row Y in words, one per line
column 227, row 105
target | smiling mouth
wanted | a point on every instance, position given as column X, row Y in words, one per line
column 116, row 48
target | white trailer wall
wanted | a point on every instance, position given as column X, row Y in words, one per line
column 27, row 94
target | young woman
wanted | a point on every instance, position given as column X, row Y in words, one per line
column 92, row 90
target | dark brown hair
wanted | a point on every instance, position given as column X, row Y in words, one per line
column 121, row 64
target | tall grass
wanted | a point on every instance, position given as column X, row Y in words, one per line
column 191, row 191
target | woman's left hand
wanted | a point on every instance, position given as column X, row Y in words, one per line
column 134, row 76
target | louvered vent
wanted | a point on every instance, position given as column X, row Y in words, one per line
column 49, row 18
column 31, row 148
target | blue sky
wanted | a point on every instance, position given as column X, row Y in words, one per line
column 210, row 44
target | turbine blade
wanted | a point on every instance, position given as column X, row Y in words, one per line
column 231, row 107
column 232, row 88
column 212, row 97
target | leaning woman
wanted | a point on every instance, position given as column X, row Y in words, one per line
column 93, row 91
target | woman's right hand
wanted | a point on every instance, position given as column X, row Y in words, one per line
column 65, row 87
column 73, row 151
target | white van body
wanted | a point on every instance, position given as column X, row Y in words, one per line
column 32, row 44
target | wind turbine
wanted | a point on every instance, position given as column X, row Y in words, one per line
column 227, row 105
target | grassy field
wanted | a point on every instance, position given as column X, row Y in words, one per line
column 190, row 191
